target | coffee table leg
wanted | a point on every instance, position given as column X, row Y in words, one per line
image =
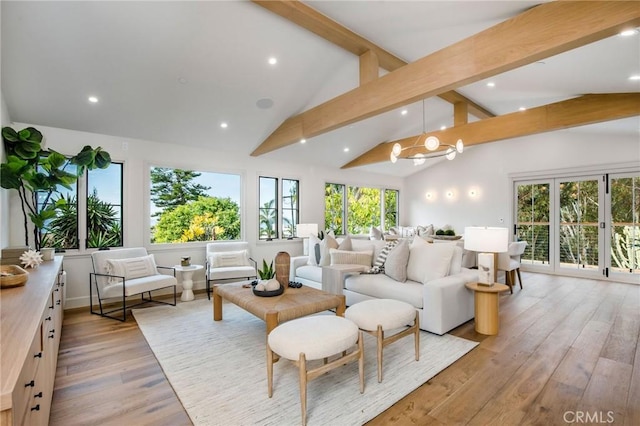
column 217, row 305
column 342, row 306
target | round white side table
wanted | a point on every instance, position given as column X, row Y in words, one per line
column 187, row 280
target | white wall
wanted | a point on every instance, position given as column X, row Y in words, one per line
column 140, row 154
column 487, row 168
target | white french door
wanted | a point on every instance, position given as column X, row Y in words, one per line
column 586, row 226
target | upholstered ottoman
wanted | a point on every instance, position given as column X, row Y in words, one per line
column 380, row 315
column 313, row 338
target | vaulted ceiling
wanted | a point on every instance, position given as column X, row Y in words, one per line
column 175, row 71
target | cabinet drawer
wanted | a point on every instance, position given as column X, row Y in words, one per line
column 26, row 385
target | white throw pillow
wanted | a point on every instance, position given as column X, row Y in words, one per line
column 225, row 259
column 346, row 257
column 428, row 261
column 375, row 233
column 438, row 261
column 325, row 245
column 135, row 267
column 346, row 244
column 313, row 242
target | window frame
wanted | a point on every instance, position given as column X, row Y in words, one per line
column 278, row 207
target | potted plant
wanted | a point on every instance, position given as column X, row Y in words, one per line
column 267, row 272
column 36, row 174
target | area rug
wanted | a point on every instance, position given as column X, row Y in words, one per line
column 218, row 370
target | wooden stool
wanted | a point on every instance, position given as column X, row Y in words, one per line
column 380, row 315
column 312, row 338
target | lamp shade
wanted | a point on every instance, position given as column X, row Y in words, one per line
column 486, row 239
column 304, row 230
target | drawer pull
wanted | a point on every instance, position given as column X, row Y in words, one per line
column 57, row 289
column 52, row 335
column 38, row 355
column 51, row 307
column 58, row 302
column 48, row 318
column 38, row 395
column 36, row 408
column 30, row 384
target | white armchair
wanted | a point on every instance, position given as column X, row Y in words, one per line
column 229, row 261
column 509, row 262
column 127, row 272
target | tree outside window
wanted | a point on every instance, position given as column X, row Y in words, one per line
column 290, row 207
column 362, row 207
column 191, row 206
column 102, row 205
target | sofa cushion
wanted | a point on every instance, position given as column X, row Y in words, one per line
column 346, row 257
column 396, row 264
column 416, row 266
column 384, row 287
column 311, row 273
column 375, row 233
column 227, row 272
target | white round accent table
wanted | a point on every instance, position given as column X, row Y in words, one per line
column 187, row 280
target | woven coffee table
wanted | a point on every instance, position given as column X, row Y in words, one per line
column 293, row 303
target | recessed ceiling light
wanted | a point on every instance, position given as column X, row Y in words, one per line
column 346, row 150
column 491, row 84
column 272, row 61
column 634, row 77
column 404, row 112
column 224, row 125
column 303, row 140
column 182, row 80
column 93, row 99
column 627, row 33
column 443, row 127
column 522, row 108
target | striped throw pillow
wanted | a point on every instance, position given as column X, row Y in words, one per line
column 382, row 257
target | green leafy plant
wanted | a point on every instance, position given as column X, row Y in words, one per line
column 266, row 272
column 37, row 174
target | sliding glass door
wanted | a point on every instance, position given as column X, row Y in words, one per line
column 581, row 225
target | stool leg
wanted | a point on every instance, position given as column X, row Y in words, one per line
column 269, row 371
column 361, row 360
column 417, row 336
column 302, row 373
column 379, row 338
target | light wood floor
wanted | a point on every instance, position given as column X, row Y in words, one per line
column 567, row 347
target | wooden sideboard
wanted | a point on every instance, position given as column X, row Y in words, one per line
column 30, row 325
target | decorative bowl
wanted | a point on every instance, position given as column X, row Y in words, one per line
column 15, row 276
column 446, row 237
column 267, row 293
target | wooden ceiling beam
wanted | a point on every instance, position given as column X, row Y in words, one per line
column 587, row 109
column 369, row 67
column 541, row 32
column 323, row 26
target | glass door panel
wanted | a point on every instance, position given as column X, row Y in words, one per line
column 624, row 254
column 533, row 221
column 579, row 232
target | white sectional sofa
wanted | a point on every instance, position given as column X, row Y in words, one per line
column 443, row 303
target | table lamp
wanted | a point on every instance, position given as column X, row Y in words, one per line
column 304, row 230
column 487, row 241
